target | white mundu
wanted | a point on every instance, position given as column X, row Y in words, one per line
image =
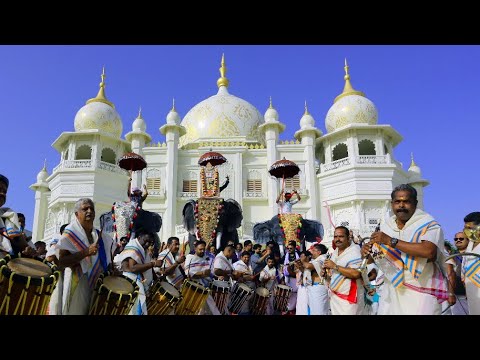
column 413, row 286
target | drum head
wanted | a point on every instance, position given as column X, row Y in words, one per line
column 262, row 291
column 196, row 285
column 284, row 287
column 220, row 284
column 244, row 287
column 118, row 284
column 169, row 288
column 29, row 267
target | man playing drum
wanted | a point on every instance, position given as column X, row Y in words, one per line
column 136, row 262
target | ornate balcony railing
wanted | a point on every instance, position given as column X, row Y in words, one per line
column 253, row 194
column 357, row 160
column 187, row 195
column 89, row 164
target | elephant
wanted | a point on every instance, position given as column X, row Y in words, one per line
column 270, row 230
column 118, row 227
column 229, row 220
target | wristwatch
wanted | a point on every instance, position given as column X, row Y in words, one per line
column 393, row 242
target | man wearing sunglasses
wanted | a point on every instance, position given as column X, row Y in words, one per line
column 471, row 264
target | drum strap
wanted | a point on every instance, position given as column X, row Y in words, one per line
column 101, row 251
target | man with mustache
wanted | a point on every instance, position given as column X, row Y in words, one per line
column 411, row 254
column 346, row 289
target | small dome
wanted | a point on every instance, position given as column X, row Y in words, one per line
column 307, row 121
column 350, row 107
column 414, row 171
column 138, row 124
column 99, row 114
column 173, row 118
column 271, row 115
column 42, row 175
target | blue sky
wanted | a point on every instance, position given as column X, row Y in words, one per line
column 429, row 94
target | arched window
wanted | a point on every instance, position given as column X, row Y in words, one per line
column 65, row 156
column 84, row 152
column 366, row 147
column 153, row 179
column 385, row 148
column 108, row 155
column 340, row 152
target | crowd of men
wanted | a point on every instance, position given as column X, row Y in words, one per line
column 404, row 267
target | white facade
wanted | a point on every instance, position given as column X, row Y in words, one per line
column 349, row 172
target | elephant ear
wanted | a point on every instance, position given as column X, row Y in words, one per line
column 262, row 232
column 189, row 216
column 311, row 230
column 232, row 216
column 106, row 223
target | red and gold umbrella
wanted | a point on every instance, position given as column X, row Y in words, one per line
column 284, row 169
column 132, row 161
column 212, row 157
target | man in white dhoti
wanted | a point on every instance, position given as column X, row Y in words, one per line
column 304, row 279
column 245, row 275
column 137, row 265
column 87, row 252
column 346, row 288
column 197, row 268
column 410, row 245
column 269, row 277
column 317, row 292
column 136, row 261
column 289, row 274
column 222, row 265
column 471, row 264
column 172, row 262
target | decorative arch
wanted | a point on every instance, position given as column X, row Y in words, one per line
column 340, row 152
column 366, row 147
column 108, row 155
column 254, row 175
column 84, row 152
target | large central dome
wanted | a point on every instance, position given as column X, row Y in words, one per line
column 222, row 116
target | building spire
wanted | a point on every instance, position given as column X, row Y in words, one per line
column 271, row 105
column 140, row 113
column 101, row 92
column 173, row 105
column 222, row 80
column 45, row 164
column 306, row 109
column 348, row 88
column 413, row 161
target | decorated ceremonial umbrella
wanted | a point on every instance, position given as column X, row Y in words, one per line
column 284, row 169
column 212, row 157
column 133, row 162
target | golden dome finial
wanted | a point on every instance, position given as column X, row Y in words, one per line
column 101, row 92
column 348, row 89
column 271, row 105
column 306, row 109
column 413, row 161
column 222, row 81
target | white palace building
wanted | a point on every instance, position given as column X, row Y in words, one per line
column 346, row 175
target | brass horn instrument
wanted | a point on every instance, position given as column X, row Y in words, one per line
column 472, row 234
